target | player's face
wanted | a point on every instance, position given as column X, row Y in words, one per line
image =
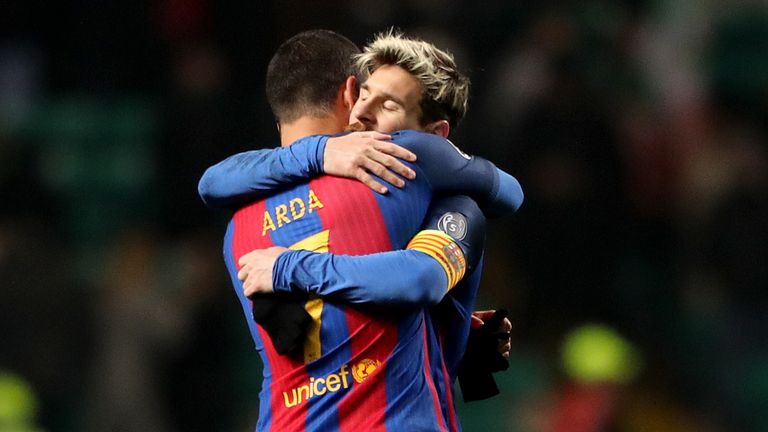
column 389, row 101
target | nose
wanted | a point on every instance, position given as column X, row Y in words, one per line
column 363, row 113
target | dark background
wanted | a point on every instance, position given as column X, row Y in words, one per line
column 637, row 129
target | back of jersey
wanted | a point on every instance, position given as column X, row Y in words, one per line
column 364, row 368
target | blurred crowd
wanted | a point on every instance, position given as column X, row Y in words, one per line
column 638, row 129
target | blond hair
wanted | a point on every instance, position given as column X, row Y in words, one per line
column 445, row 90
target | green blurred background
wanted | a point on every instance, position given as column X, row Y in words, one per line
column 636, row 272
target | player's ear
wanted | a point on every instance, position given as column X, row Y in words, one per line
column 440, row 127
column 350, row 91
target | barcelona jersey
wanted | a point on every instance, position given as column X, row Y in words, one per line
column 362, row 368
column 452, row 239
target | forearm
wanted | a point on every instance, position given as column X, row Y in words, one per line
column 252, row 175
column 406, row 277
column 496, row 192
column 506, row 198
column 450, row 171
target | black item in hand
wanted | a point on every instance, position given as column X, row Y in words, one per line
column 482, row 358
column 285, row 320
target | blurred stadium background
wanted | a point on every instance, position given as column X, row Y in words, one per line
column 636, row 272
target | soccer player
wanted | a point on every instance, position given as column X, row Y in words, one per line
column 373, row 279
column 361, row 367
column 391, row 98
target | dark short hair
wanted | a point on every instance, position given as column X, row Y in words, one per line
column 305, row 73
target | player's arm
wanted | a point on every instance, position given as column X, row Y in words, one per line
column 435, row 261
column 253, row 175
column 256, row 174
column 406, row 277
column 450, row 171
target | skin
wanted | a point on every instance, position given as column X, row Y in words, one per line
column 360, row 154
column 357, row 155
column 505, row 345
column 389, row 101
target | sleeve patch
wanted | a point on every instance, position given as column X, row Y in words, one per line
column 444, row 250
column 454, row 224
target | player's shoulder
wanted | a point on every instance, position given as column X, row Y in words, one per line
column 460, row 203
column 415, row 138
column 430, row 147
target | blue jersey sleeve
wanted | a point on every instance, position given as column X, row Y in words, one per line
column 252, row 175
column 454, row 317
column 430, row 267
column 362, row 279
column 449, row 171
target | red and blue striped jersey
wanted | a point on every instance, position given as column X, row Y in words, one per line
column 436, row 259
column 363, row 368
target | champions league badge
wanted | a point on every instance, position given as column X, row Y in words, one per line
column 453, row 224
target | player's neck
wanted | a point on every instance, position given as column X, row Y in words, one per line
column 309, row 125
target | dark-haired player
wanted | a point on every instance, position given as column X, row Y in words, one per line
column 362, row 368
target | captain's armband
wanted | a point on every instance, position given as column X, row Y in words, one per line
column 444, row 250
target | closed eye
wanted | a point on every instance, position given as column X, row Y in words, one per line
column 391, row 105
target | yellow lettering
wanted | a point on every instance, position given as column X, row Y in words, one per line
column 344, row 374
column 314, row 201
column 306, row 389
column 293, row 402
column 281, row 212
column 318, row 386
column 268, row 224
column 317, row 389
column 297, row 208
column 332, row 383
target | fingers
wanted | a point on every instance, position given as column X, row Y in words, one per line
column 499, row 325
column 248, row 288
column 505, row 348
column 369, row 181
column 242, row 273
column 252, row 283
column 391, row 163
column 256, row 270
column 245, row 267
column 394, row 150
column 484, row 315
column 247, row 257
column 496, row 320
column 379, row 136
column 476, row 322
column 244, row 276
column 389, row 155
column 378, row 160
column 506, row 325
column 368, row 151
column 381, row 171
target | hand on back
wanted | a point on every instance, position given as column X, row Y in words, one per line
column 359, row 155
